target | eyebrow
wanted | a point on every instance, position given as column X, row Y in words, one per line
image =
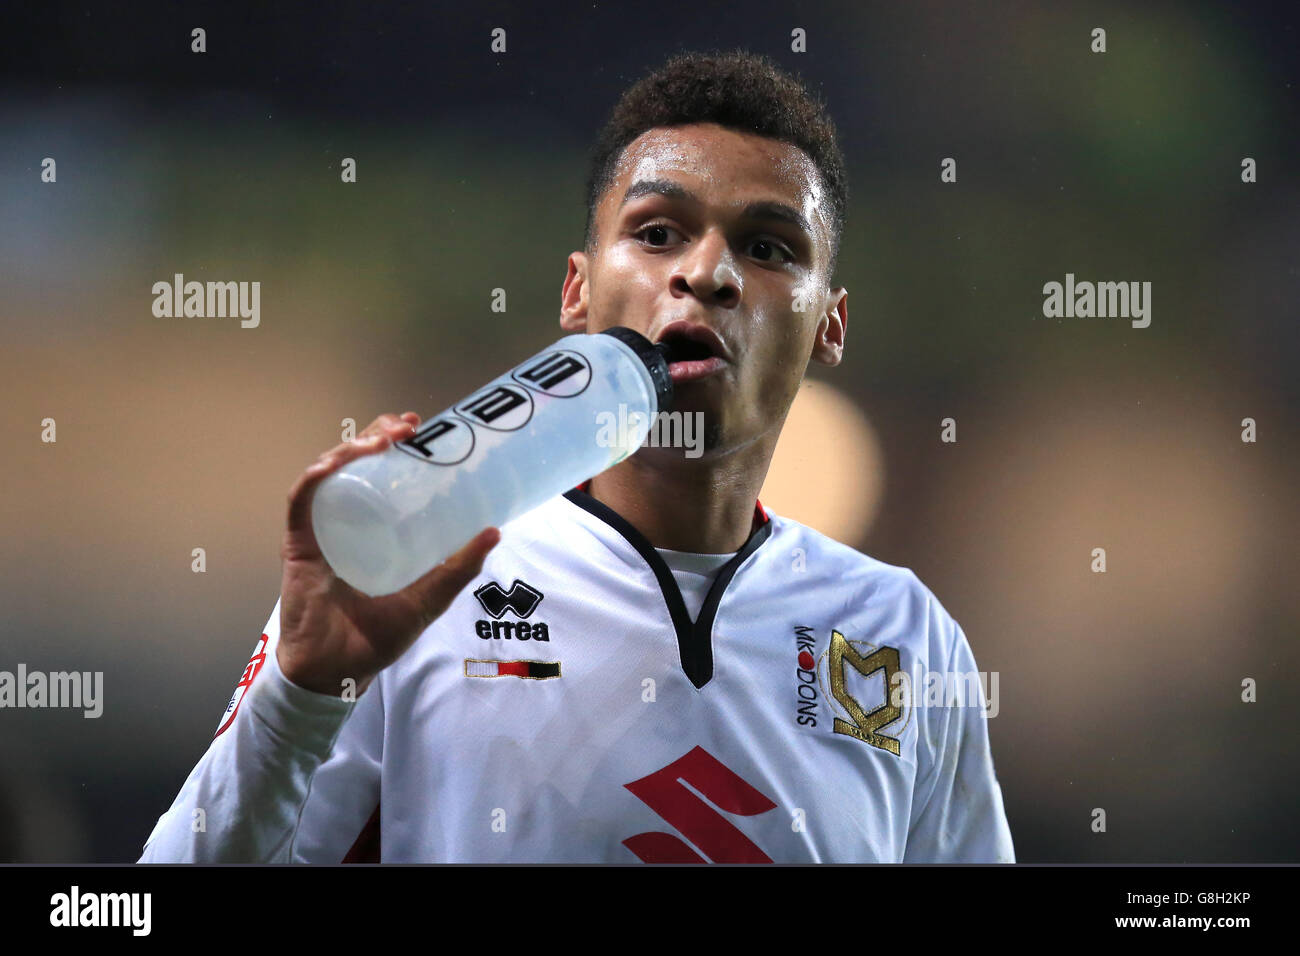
column 766, row 209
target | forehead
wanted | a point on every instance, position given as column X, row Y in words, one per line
column 722, row 166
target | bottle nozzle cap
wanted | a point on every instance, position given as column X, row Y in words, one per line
column 655, row 358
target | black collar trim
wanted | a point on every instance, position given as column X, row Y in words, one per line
column 694, row 638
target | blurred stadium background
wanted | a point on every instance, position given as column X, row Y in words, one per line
column 1118, row 690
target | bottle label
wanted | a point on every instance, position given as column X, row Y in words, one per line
column 504, row 405
column 560, row 374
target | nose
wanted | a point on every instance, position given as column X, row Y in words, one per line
column 708, row 271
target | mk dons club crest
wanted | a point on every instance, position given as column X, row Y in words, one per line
column 861, row 685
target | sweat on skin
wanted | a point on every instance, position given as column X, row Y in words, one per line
column 746, row 251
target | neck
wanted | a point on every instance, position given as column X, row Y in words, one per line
column 703, row 505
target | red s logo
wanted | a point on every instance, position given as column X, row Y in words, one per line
column 663, row 792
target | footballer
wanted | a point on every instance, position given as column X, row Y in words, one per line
column 653, row 666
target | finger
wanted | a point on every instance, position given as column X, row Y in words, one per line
column 385, row 424
column 300, row 539
column 388, row 426
column 439, row 587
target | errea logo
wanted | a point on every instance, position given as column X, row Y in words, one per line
column 521, row 600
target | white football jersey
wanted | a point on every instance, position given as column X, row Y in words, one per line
column 566, row 708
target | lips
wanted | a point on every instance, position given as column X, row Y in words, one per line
column 689, row 371
column 695, row 350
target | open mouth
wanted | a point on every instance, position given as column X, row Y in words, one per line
column 694, row 351
column 682, row 349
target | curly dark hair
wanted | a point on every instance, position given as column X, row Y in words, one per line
column 739, row 90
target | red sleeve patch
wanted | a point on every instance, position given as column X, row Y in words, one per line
column 251, row 671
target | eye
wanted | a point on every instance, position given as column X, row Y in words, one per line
column 658, row 230
column 762, row 247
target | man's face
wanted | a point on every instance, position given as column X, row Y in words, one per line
column 726, row 230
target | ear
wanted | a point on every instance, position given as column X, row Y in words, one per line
column 573, row 297
column 828, row 347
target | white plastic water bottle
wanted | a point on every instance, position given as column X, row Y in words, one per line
column 383, row 521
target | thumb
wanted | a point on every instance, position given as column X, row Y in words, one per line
column 434, row 592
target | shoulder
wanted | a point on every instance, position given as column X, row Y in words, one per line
column 866, row 584
column 825, row 557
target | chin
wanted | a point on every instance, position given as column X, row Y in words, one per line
column 683, row 435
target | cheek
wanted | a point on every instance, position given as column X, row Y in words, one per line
column 783, row 364
column 622, row 278
column 618, row 260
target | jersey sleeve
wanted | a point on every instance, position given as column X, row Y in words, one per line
column 290, row 776
column 957, row 812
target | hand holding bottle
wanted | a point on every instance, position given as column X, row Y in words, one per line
column 566, row 414
column 329, row 631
